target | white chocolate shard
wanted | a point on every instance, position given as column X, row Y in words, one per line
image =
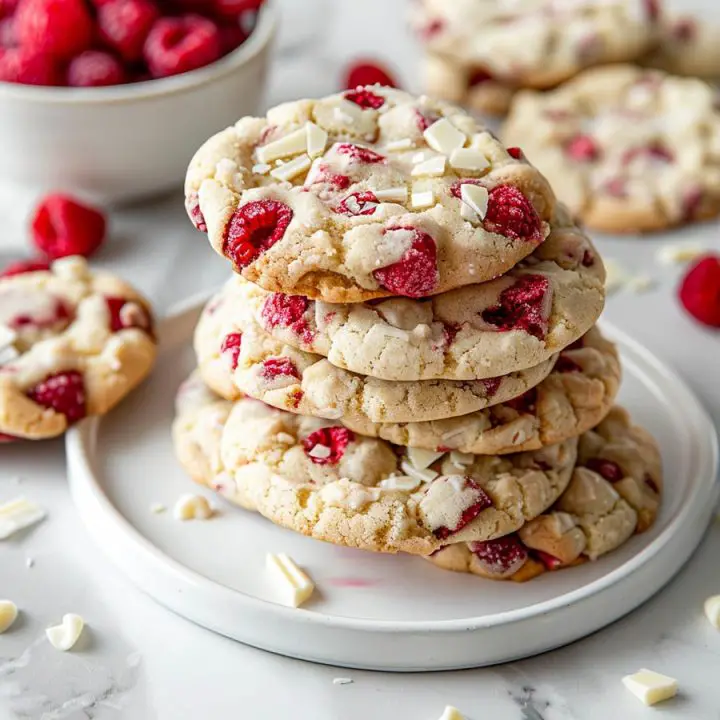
column 8, row 353
column 320, row 451
column 468, row 159
column 680, row 253
column 476, row 198
column 73, row 267
column 421, row 458
column 292, row 169
column 157, row 508
column 400, row 145
column 64, row 636
column 295, row 584
column 443, row 137
column 423, row 195
column 316, row 139
column 400, row 482
column 394, row 194
column 433, row 167
column 261, row 169
column 342, row 681
column 8, row 614
column 651, row 687
column 452, row 713
column 423, row 475
column 17, row 515
column 192, row 507
column 292, row 144
column 712, row 610
column 461, row 459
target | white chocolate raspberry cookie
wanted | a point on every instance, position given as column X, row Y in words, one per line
column 479, row 331
column 357, row 196
column 233, row 349
column 325, row 481
column 575, row 397
column 627, row 149
column 601, row 509
column 73, row 343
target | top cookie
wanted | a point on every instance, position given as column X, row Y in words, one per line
column 72, row 343
column 357, row 196
column 627, row 149
column 536, row 43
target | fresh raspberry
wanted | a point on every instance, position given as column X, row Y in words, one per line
column 125, row 24
column 501, row 557
column 25, row 266
column 255, row 228
column 360, row 154
column 180, row 44
column 654, row 151
column 450, row 331
column 7, row 7
column 95, row 68
column 367, row 72
column 323, row 174
column 583, row 149
column 365, row 99
column 415, row 275
column 359, row 203
column 550, row 562
column 491, row 386
column 522, row 306
column 230, row 349
column 425, row 119
column 431, row 29
column 5, row 438
column 62, row 226
column 125, row 314
column 515, row 152
column 61, row 28
column 29, row 67
column 607, row 469
column 565, row 365
column 511, row 214
column 334, row 439
column 231, row 36
column 700, row 290
column 63, row 392
column 525, row 404
column 192, row 205
column 481, row 502
column 288, row 311
column 234, row 8
column 8, row 38
column 275, row 367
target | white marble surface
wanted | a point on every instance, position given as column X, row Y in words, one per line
column 139, row 662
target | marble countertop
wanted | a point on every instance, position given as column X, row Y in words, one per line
column 140, row 662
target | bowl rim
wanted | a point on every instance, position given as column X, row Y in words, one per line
column 257, row 41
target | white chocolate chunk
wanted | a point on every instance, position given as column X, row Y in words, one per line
column 394, row 194
column 292, row 144
column 443, row 137
column 640, row 284
column 342, row 681
column 399, row 145
column 8, row 353
column 422, row 459
column 295, row 584
column 461, row 459
column 452, row 713
column 292, row 169
column 74, row 267
column 316, row 139
column 64, row 636
column 8, row 614
column 434, row 167
column 651, row 687
column 423, row 195
column 192, row 507
column 423, row 475
column 17, row 515
column 468, row 159
column 261, row 169
column 157, row 508
column 476, row 198
column 712, row 610
column 320, row 451
column 681, row 253
column 348, row 112
column 400, row 482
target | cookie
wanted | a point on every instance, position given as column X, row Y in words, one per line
column 602, row 507
column 75, row 343
column 327, row 482
column 574, row 398
column 232, row 349
column 627, row 149
column 479, row 331
column 356, row 196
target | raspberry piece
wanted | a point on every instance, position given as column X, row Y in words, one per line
column 654, row 151
column 502, row 557
column 177, row 45
column 549, row 561
column 231, row 36
column 275, row 367
column 431, row 29
column 425, row 119
column 125, row 314
column 450, row 331
column 415, row 274
column 324, row 174
column 522, row 306
column 4, row 438
column 255, row 228
column 368, row 72
column 491, row 386
column 583, row 149
column 230, row 349
column 481, row 502
column 691, row 202
column 360, row 154
column 51, row 313
column 525, row 404
column 607, row 469
column 234, row 8
column 63, row 392
column 62, row 226
column 288, row 311
column 588, row 259
column 327, row 445
column 94, row 68
column 25, row 266
column 61, row 28
column 8, row 39
column 365, row 99
column 565, row 365
column 684, row 30
column 29, row 67
column 515, row 152
column 700, row 291
column 511, row 214
column 124, row 26
column 7, row 7
column 192, row 206
column 359, row 203
column 479, row 77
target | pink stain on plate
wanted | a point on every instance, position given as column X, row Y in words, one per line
column 350, row 582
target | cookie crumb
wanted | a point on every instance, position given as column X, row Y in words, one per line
column 157, row 508
column 342, row 681
column 680, row 253
column 616, row 277
column 193, row 507
column 712, row 610
column 640, row 284
column 29, row 562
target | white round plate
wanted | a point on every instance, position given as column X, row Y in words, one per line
column 372, row 611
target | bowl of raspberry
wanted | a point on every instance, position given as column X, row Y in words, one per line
column 110, row 98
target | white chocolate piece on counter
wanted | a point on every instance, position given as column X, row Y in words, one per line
column 452, row 713
column 17, row 515
column 296, row 585
column 192, row 507
column 63, row 637
column 8, row 614
column 342, row 681
column 712, row 610
column 651, row 687
column 157, row 508
column 640, row 284
column 680, row 253
column 443, row 137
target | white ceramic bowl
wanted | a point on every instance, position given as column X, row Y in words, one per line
column 126, row 142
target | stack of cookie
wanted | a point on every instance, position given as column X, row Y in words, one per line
column 416, row 316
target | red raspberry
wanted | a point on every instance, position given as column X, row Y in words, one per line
column 525, row 404
column 491, row 386
column 63, row 392
column 425, row 119
column 365, row 99
column 515, row 152
column 230, row 349
column 565, row 365
column 29, row 67
column 62, row 226
column 180, row 44
column 4, row 438
column 481, row 502
column 700, row 291
column 583, row 149
column 655, row 151
column 125, row 24
column 511, row 214
column 231, row 36
column 415, row 275
column 125, row 314
column 62, row 28
column 58, row 317
column 94, row 68
column 550, row 562
column 334, row 439
column 323, row 174
column 255, row 228
column 360, row 154
column 7, row 7
column 233, row 8
column 522, row 306
column 588, row 258
column 288, row 311
column 25, row 266
column 607, row 469
column 275, row 367
column 192, row 205
column 8, row 39
column 502, row 557
column 450, row 331
column 367, row 72
column 359, row 203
